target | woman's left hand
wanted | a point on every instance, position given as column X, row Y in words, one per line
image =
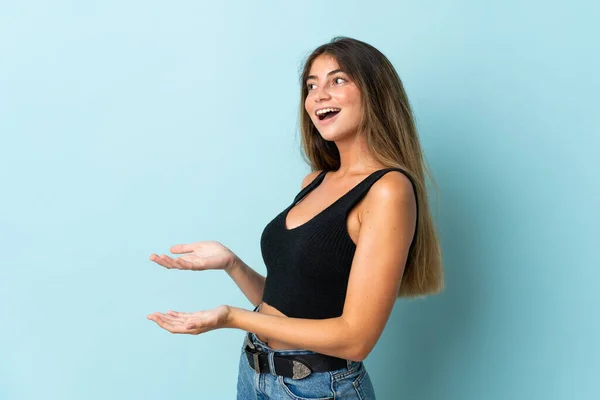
column 192, row 323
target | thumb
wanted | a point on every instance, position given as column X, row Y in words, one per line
column 181, row 249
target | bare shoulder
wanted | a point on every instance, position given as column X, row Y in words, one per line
column 393, row 188
column 309, row 178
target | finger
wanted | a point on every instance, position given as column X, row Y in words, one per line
column 167, row 325
column 181, row 249
column 178, row 313
column 170, row 318
column 161, row 315
column 159, row 260
column 181, row 263
column 163, row 324
column 156, row 319
column 155, row 316
column 167, row 261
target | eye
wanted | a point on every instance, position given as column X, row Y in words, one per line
column 308, row 85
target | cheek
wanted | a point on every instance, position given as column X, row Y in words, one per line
column 356, row 105
column 348, row 97
column 354, row 98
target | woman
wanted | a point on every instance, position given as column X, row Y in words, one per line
column 357, row 236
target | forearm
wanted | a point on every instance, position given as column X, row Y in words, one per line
column 250, row 282
column 331, row 336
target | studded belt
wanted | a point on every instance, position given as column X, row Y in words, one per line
column 295, row 366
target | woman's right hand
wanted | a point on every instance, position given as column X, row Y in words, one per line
column 198, row 256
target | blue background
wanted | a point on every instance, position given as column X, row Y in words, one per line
column 130, row 126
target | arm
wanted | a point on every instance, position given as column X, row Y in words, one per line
column 332, row 336
column 388, row 219
column 387, row 226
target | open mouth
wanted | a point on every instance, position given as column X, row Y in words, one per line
column 327, row 114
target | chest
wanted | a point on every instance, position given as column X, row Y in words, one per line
column 320, row 248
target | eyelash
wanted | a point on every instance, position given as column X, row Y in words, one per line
column 334, row 79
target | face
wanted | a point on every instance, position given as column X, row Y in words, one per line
column 330, row 88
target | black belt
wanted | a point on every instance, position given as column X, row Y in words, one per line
column 295, row 366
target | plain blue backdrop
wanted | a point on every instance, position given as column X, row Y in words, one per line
column 130, row 126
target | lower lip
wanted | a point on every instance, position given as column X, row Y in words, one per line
column 328, row 120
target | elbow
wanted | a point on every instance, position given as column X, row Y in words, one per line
column 357, row 346
column 359, row 351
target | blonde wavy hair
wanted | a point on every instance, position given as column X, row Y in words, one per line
column 392, row 140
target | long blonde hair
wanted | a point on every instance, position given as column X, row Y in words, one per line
column 392, row 139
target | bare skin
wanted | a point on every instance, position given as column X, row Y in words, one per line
column 331, row 90
column 328, row 191
column 214, row 255
column 344, row 336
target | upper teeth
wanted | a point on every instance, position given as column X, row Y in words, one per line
column 325, row 110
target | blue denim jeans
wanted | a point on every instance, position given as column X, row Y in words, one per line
column 350, row 382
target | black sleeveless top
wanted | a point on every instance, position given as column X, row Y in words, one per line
column 308, row 266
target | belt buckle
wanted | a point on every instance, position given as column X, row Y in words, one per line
column 256, row 364
column 248, row 342
column 255, row 353
column 300, row 370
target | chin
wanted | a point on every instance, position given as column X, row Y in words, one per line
column 337, row 132
column 335, row 136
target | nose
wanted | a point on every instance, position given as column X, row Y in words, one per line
column 321, row 94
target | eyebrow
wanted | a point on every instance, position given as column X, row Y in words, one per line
column 329, row 73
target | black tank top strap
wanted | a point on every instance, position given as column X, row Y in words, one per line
column 360, row 190
column 314, row 183
column 363, row 187
column 308, row 266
